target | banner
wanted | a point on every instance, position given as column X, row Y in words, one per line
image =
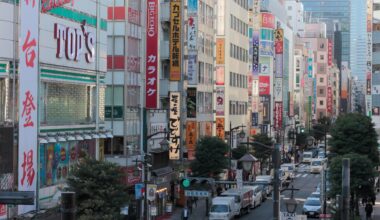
column 279, row 41
column 174, row 125
column 267, row 20
column 330, row 53
column 175, row 40
column 220, row 50
column 192, row 68
column 266, row 48
column 151, row 92
column 28, row 99
column 219, row 101
column 191, row 102
column 278, row 115
column 255, row 53
column 220, row 128
column 192, row 6
column 192, row 32
column 255, row 119
column 264, row 85
column 219, row 76
column 191, row 138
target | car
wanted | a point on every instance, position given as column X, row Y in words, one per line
column 312, row 207
column 307, row 156
column 316, row 166
column 321, row 155
column 266, row 181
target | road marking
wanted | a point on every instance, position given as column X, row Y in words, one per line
column 305, row 175
column 298, row 175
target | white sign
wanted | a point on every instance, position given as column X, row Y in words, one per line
column 174, row 125
column 375, row 89
column 28, row 99
column 239, row 178
column 192, row 32
column 264, row 68
column 219, row 101
column 278, row 89
column 288, row 216
column 195, row 193
column 151, row 192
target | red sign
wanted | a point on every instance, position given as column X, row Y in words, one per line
column 279, row 41
column 130, row 178
column 267, row 20
column 27, row 168
column 329, row 100
column 329, row 55
column 277, row 115
column 264, row 85
column 3, row 210
column 28, row 107
column 47, row 5
column 151, row 54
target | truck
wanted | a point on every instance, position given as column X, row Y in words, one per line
column 242, row 200
column 222, row 208
column 307, row 156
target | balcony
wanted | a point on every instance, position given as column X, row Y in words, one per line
column 164, row 50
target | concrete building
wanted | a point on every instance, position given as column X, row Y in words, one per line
column 70, row 99
column 295, row 12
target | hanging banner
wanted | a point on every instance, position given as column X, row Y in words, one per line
column 174, row 125
column 192, row 6
column 219, row 101
column 219, row 76
column 191, row 102
column 192, row 32
column 277, row 89
column 264, row 85
column 220, row 51
column 255, row 119
column 28, row 99
column 220, row 128
column 151, row 92
column 267, row 20
column 330, row 52
column 279, row 41
column 279, row 59
column 192, row 68
column 175, row 40
column 278, row 115
column 255, row 53
column 191, row 138
column 329, row 99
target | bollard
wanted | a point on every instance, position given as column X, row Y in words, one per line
column 68, row 207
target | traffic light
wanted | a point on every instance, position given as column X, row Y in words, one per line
column 302, row 130
column 185, row 183
column 191, row 182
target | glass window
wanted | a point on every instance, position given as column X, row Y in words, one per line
column 119, row 45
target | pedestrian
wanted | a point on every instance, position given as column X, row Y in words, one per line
column 368, row 211
column 195, row 200
column 190, row 205
column 185, row 213
column 373, row 199
column 364, row 201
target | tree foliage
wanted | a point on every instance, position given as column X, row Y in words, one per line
column 99, row 191
column 210, row 159
column 354, row 133
column 239, row 152
column 301, row 140
column 318, row 131
column 260, row 152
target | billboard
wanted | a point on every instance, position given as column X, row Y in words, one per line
column 175, row 40
column 219, row 76
column 267, row 20
column 151, row 88
column 220, row 128
column 220, row 101
column 255, row 53
column 192, row 32
column 191, row 102
column 28, row 98
column 266, row 48
column 264, row 85
column 191, row 138
column 174, row 125
column 279, row 41
column 192, row 68
column 278, row 115
column 220, row 51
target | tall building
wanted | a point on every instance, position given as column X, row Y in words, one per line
column 295, row 12
column 376, row 66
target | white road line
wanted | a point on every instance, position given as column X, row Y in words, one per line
column 298, row 175
column 305, row 175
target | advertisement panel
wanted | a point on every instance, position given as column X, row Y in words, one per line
column 175, row 40
column 221, row 18
column 255, row 119
column 191, row 102
column 344, row 80
column 28, row 98
column 278, row 115
column 191, row 138
column 279, row 65
column 329, row 99
column 220, row 51
column 219, row 76
column 264, row 85
column 255, row 53
column 220, row 128
column 151, row 190
column 219, row 101
column 265, row 65
column 265, row 110
column 267, row 20
column 266, row 48
column 192, row 32
column 266, row 34
column 277, row 89
column 151, row 92
column 330, row 52
column 256, row 18
column 192, row 6
column 174, row 125
column 192, row 68
column 279, row 41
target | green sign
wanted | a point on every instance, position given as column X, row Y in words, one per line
column 116, row 111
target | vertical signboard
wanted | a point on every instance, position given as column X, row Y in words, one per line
column 279, row 41
column 174, row 125
column 256, row 14
column 220, row 51
column 221, row 18
column 151, row 93
column 219, row 101
column 28, row 98
column 220, row 128
column 265, row 109
column 255, row 52
column 255, row 119
column 278, row 115
column 192, row 68
column 191, row 102
column 368, row 97
column 175, row 40
column 264, row 85
column 191, row 139
column 219, row 76
column 192, row 32
column 329, row 100
column 330, row 52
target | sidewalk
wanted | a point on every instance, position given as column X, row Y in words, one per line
column 376, row 209
column 198, row 212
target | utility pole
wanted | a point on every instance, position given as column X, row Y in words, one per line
column 345, row 188
column 276, row 182
column 324, row 173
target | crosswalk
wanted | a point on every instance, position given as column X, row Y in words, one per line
column 303, row 175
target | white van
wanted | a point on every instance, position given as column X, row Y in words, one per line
column 257, row 196
column 307, row 156
column 222, row 208
column 316, row 165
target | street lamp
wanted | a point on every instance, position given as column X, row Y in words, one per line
column 247, row 162
column 241, row 135
column 310, row 141
column 291, row 204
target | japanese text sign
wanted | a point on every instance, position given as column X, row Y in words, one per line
column 191, row 137
column 219, row 101
column 264, row 85
column 151, row 92
column 267, row 20
column 220, row 128
column 191, row 102
column 277, row 115
column 220, row 51
column 174, row 125
column 175, row 40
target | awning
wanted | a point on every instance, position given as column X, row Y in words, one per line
column 162, row 171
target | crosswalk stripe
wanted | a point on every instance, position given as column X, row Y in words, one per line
column 298, row 175
column 305, row 175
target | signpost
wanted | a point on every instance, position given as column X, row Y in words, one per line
column 197, row 193
column 288, row 216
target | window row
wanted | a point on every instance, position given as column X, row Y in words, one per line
column 205, row 73
column 238, row 108
column 242, row 3
column 116, row 46
column 204, row 102
column 238, row 80
column 206, row 44
column 238, row 25
column 238, row 53
column 206, row 14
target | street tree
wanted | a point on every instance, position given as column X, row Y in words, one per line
column 260, row 152
column 354, row 133
column 99, row 190
column 301, row 140
column 210, row 157
column 239, row 152
column 362, row 176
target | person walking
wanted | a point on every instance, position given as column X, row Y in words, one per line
column 368, row 210
column 185, row 213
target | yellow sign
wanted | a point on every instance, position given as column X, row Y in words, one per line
column 220, row 51
column 220, row 128
column 175, row 40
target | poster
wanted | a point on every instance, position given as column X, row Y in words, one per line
column 219, row 101
column 220, row 128
column 175, row 40
column 192, row 32
column 220, row 76
column 174, row 125
column 267, row 20
column 191, row 138
column 220, row 51
column 192, row 68
column 152, row 55
column 266, row 48
column 191, row 102
column 264, row 85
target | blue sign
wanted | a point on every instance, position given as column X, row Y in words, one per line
column 138, row 189
column 192, row 6
column 255, row 119
column 266, row 48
